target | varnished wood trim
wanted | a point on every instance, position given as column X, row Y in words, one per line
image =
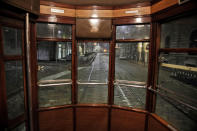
column 55, row 4
column 131, row 20
column 137, row 5
column 155, row 1
column 54, row 108
column 92, row 106
column 162, row 5
column 56, row 19
column 13, row 123
column 132, row 40
column 8, row 13
column 74, row 66
column 175, row 11
column 178, row 50
column 112, row 67
column 140, row 11
column 93, row 40
column 9, row 22
column 162, row 121
column 94, row 8
column 90, row 13
column 47, row 10
column 129, row 109
column 101, row 12
column 3, row 97
column 54, row 39
column 10, row 58
column 33, row 88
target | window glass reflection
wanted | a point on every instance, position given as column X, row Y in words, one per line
column 12, row 41
column 54, row 60
column 20, row 127
column 177, row 83
column 180, row 33
column 93, row 66
column 14, row 89
column 132, row 61
column 129, row 96
column 54, row 95
column 48, row 30
column 133, row 32
column 93, row 62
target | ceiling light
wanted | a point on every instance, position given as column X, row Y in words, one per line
column 138, row 19
column 131, row 11
column 94, row 15
column 54, row 10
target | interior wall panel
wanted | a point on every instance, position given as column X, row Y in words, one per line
column 123, row 120
column 156, row 125
column 56, row 120
column 91, row 119
column 162, row 5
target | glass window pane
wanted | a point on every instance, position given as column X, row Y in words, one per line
column 179, row 116
column 132, row 61
column 14, row 88
column 12, row 41
column 129, row 96
column 133, row 32
column 20, row 127
column 178, row 72
column 46, row 30
column 92, row 94
column 179, row 33
column 54, row 60
column 93, row 62
column 54, row 95
column 177, row 82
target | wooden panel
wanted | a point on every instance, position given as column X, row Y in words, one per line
column 56, row 120
column 162, row 5
column 157, row 124
column 47, row 10
column 93, row 28
column 91, row 119
column 56, row 19
column 27, row 5
column 122, row 120
column 131, row 20
column 94, row 13
column 55, row 4
column 136, row 11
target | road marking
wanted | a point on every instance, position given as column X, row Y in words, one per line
column 124, row 96
column 91, row 71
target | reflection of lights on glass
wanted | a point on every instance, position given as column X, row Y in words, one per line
column 51, row 25
column 105, row 50
column 59, row 32
column 95, row 43
column 94, row 24
column 138, row 19
column 117, row 46
column 140, row 47
column 139, row 26
column 52, row 19
column 94, row 21
column 131, row 11
column 94, row 15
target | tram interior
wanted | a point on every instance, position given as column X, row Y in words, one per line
column 83, row 65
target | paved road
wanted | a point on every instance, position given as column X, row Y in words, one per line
column 97, row 71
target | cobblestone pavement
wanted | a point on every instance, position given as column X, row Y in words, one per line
column 97, row 72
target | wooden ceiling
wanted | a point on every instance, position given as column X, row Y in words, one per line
column 99, row 2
